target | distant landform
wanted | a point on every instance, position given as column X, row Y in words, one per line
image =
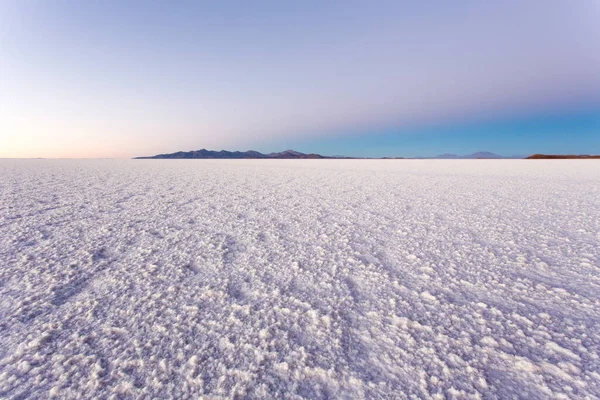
column 224, row 154
column 292, row 154
column 561, row 157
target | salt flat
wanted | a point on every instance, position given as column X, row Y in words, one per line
column 299, row 279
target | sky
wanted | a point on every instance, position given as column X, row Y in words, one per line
column 371, row 78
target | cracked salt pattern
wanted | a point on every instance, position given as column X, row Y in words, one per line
column 299, row 279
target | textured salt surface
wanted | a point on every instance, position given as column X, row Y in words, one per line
column 293, row 279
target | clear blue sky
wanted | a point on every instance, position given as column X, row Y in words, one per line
column 371, row 78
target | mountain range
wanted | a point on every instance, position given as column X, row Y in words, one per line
column 224, row 154
column 292, row 154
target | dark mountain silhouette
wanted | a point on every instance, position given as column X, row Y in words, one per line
column 561, row 156
column 294, row 154
column 224, row 154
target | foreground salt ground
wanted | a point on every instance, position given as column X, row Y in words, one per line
column 299, row 279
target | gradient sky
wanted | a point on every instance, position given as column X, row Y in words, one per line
column 372, row 78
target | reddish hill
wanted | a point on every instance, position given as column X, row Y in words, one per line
column 560, row 157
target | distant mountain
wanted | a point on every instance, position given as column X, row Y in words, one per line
column 294, row 154
column 479, row 155
column 224, row 154
column 484, row 154
column 561, row 157
column 447, row 156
